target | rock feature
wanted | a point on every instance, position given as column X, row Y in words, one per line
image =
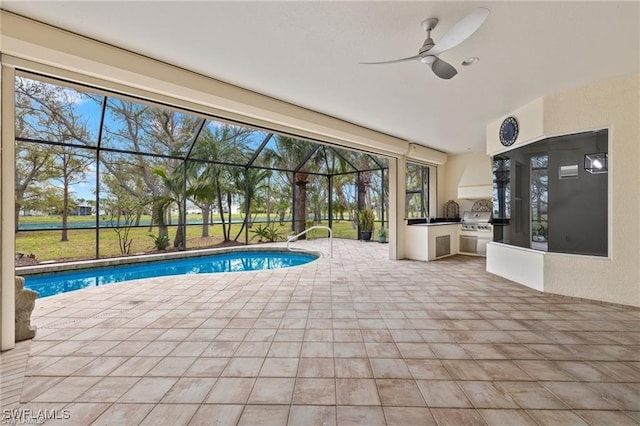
column 25, row 302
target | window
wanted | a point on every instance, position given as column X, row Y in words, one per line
column 544, row 200
column 417, row 191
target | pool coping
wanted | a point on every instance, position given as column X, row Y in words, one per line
column 114, row 261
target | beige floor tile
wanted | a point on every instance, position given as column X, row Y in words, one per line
column 624, row 395
column 167, row 413
column 78, row 414
column 507, row 417
column 397, row 392
column 382, row 350
column 67, row 390
column 253, row 349
column 171, row 366
column 207, row 367
column 230, row 391
column 317, row 350
column 443, row 393
column 316, row 367
column 243, row 367
column 457, row 416
column 353, row 368
column 377, row 336
column 220, row 349
column 389, row 368
column 532, row 395
column 148, row 390
column 408, row 416
column 543, row 370
column 128, row 348
column 370, row 416
column 217, row 415
column 280, row 367
column 159, row 348
column 595, row 417
column 121, row 414
column 189, row 349
column 504, row 370
column 136, row 366
column 449, row 351
column 101, row 366
column 34, row 386
column 285, row 349
column 427, row 369
column 349, row 336
column 415, row 350
column 108, row 389
column 580, row 395
column 189, row 390
column 556, row 417
column 356, row 392
column 349, row 350
column 487, row 395
column 66, row 366
column 303, row 415
column 465, row 370
column 264, row 415
column 313, row 391
column 260, row 335
column 270, row 390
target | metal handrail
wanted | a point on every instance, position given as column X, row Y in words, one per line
column 292, row 238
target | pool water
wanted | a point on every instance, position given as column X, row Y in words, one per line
column 62, row 282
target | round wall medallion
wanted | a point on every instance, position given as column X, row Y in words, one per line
column 508, row 131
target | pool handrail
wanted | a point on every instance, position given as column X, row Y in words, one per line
column 292, row 238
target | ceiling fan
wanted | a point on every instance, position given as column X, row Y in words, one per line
column 429, row 52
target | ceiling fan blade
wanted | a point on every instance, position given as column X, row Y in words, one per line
column 461, row 31
column 443, row 69
column 411, row 58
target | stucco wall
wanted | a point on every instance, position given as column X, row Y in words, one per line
column 614, row 104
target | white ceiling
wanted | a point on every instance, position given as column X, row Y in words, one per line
column 307, row 53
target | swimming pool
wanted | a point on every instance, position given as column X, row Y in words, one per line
column 61, row 282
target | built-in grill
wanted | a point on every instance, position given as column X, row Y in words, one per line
column 476, row 221
column 475, row 232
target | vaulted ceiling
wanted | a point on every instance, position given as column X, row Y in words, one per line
column 308, row 53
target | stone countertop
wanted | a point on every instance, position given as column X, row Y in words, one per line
column 435, row 224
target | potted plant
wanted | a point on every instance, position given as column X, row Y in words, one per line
column 366, row 219
column 382, row 235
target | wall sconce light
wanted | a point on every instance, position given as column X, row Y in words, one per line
column 596, row 163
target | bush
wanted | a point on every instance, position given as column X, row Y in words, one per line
column 366, row 219
column 266, row 233
column 161, row 242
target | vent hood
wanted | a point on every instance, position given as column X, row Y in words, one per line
column 475, row 192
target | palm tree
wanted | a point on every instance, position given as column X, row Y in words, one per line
column 214, row 182
column 249, row 183
column 174, row 183
column 294, row 155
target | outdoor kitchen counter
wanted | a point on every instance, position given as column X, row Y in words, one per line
column 431, row 241
column 435, row 224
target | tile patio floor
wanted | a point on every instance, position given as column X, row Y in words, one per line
column 354, row 340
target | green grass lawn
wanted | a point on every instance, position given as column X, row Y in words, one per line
column 46, row 244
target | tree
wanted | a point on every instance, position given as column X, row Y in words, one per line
column 174, row 183
column 72, row 168
column 294, row 154
column 45, row 112
column 213, row 182
column 249, row 183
